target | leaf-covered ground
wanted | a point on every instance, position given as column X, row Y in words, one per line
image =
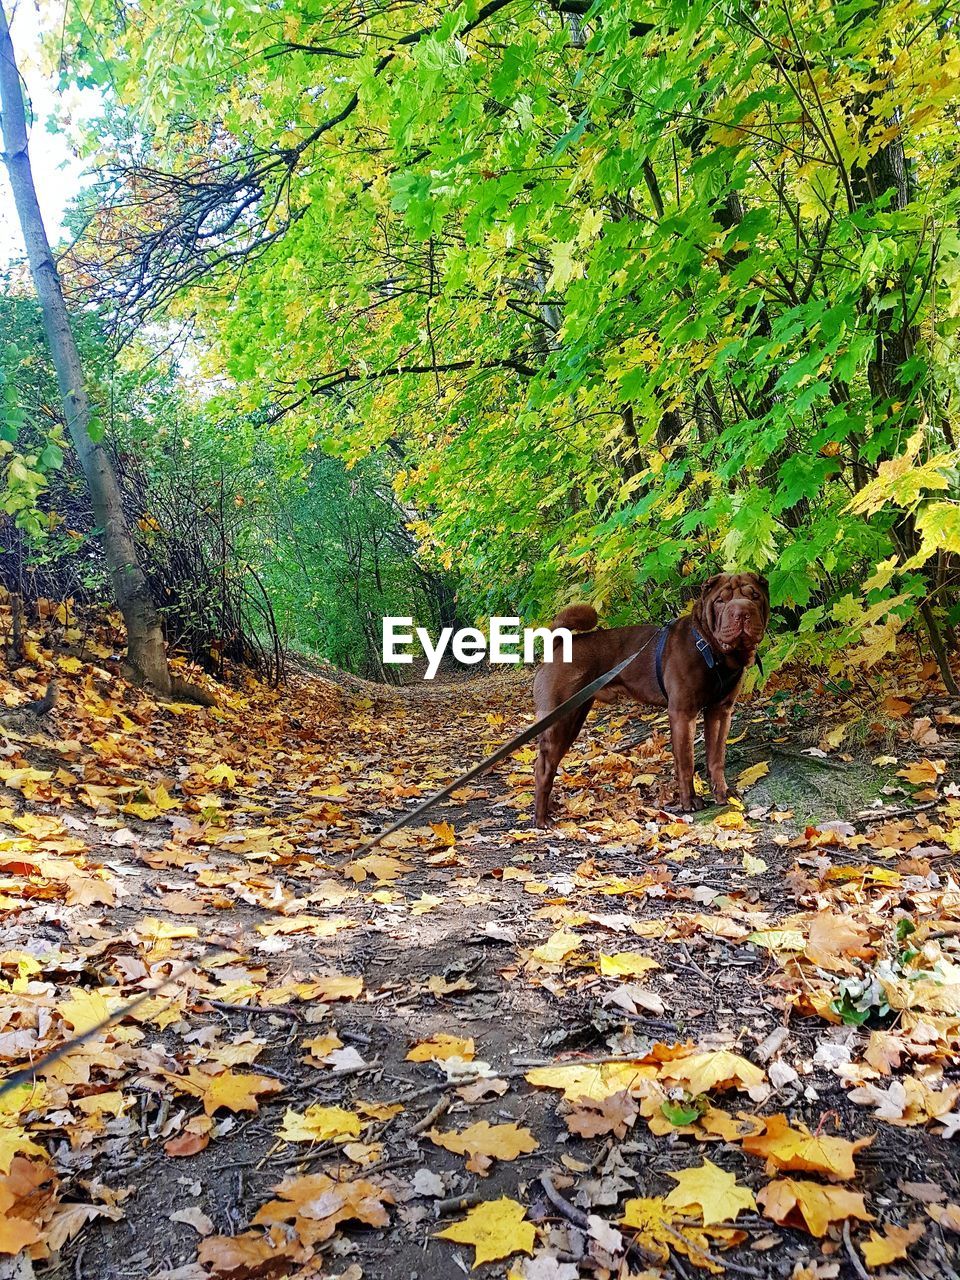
column 633, row 1046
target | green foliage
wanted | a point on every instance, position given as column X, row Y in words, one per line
column 628, row 296
column 339, row 558
column 31, row 439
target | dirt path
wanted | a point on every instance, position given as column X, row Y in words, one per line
column 137, row 836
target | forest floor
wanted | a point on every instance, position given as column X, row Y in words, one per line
column 636, row 1045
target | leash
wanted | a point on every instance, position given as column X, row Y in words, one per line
column 27, row 1075
column 534, row 730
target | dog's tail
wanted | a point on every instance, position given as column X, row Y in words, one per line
column 577, row 617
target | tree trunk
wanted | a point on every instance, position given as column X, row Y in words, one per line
column 146, row 653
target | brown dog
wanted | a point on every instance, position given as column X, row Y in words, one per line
column 692, row 665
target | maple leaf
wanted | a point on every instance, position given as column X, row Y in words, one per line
column 748, row 777
column 249, row 1254
column 319, row 1124
column 793, row 1202
column 922, row 771
column 557, row 948
column 379, row 865
column 441, row 1047
column 484, row 1142
column 718, row 1069
column 593, row 1082
column 17, row 1190
column 496, row 1229
column 614, row 1114
column 14, row 1140
column 831, row 937
column 235, row 1090
column 333, row 986
column 86, row 1009
column 316, row 1204
column 626, row 964
column 658, row 1231
column 800, row 1150
column 715, row 1192
column 880, row 1250
column 884, row 1051
column 946, row 1215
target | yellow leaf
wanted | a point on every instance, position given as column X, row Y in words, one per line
column 715, row 1192
column 793, row 1202
column 319, row 1124
column 800, row 1150
column 557, row 947
column 753, row 866
column 222, row 773
column 596, row 1082
column 731, row 820
column 86, row 1010
column 719, row 1069
column 658, row 1231
column 235, row 1090
column 335, row 986
column 496, row 1229
column 922, row 771
column 777, row 939
column 626, row 964
column 879, row 1250
column 484, row 1142
column 440, row 1047
column 14, row 1140
column 752, row 775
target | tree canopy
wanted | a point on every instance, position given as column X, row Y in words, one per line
column 612, row 293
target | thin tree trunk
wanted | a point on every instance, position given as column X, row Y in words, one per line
column 146, row 653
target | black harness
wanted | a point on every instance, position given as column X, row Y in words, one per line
column 725, row 677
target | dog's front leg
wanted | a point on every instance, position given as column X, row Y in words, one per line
column 716, row 730
column 683, row 726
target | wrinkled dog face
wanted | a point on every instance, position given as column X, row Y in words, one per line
column 735, row 608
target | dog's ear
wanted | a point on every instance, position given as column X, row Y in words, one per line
column 711, row 583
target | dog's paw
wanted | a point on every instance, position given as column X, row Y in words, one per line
column 690, row 804
column 722, row 792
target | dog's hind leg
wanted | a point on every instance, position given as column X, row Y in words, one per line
column 555, row 742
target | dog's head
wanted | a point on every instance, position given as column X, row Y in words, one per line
column 733, row 612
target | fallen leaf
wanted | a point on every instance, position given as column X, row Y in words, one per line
column 484, row 1142
column 798, row 1149
column 715, row 1192
column 880, row 1250
column 496, row 1229
column 319, row 1124
column 795, row 1202
column 440, row 1047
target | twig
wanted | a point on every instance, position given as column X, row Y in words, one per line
column 819, row 762
column 852, row 1253
column 564, row 1207
column 258, row 1009
column 712, row 1257
column 457, row 1203
column 396, row 1163
column 682, row 947
column 436, row 1111
column 906, row 812
column 582, row 1220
